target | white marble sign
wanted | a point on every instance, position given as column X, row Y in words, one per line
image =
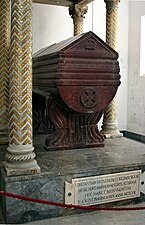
column 102, row 189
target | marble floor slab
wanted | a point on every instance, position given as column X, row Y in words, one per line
column 98, row 218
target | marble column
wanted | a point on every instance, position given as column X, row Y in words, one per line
column 110, row 127
column 4, row 68
column 77, row 13
column 20, row 158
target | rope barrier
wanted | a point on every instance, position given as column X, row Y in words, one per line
column 69, row 205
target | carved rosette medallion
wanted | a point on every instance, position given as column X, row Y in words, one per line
column 89, row 98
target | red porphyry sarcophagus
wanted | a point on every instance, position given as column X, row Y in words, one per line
column 80, row 77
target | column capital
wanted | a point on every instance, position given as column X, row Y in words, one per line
column 111, row 3
column 78, row 11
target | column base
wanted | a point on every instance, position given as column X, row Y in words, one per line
column 110, row 130
column 112, row 134
column 20, row 160
column 31, row 169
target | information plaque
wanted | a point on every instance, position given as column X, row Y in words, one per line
column 102, row 189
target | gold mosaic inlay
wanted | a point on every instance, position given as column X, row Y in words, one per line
column 4, row 62
column 21, row 73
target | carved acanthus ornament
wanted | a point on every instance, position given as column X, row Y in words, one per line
column 77, row 13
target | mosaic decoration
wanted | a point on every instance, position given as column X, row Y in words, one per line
column 112, row 23
column 20, row 158
column 21, row 73
column 4, row 67
column 77, row 14
column 110, row 124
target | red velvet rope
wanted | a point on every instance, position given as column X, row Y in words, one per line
column 69, row 205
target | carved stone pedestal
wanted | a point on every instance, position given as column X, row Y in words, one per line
column 72, row 130
column 65, row 166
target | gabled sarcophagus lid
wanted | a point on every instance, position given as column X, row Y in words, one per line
column 82, row 71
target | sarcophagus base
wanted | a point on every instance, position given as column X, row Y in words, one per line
column 72, row 130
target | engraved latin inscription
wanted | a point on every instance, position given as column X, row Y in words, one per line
column 106, row 188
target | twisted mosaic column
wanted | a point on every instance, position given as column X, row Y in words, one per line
column 20, row 155
column 110, row 124
column 77, row 14
column 4, row 68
